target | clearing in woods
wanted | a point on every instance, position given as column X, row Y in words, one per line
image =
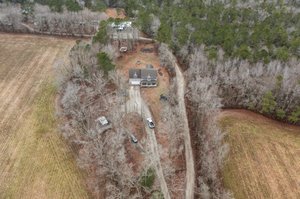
column 264, row 158
column 34, row 162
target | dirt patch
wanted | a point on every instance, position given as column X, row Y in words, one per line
column 116, row 13
column 138, row 59
column 264, row 158
column 134, row 124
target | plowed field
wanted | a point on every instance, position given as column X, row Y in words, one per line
column 264, row 158
column 34, row 160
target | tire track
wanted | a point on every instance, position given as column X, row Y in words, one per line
column 12, row 110
column 18, row 88
column 27, row 90
column 136, row 104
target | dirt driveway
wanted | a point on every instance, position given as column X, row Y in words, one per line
column 135, row 103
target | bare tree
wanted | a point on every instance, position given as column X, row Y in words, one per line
column 82, row 23
column 241, row 84
column 85, row 94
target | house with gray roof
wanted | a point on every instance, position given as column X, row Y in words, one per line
column 145, row 77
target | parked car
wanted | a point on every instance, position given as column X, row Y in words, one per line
column 150, row 123
column 123, row 49
column 163, row 97
column 133, row 138
column 102, row 121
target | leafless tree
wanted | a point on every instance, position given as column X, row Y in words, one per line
column 85, row 94
column 82, row 23
column 203, row 94
column 241, row 84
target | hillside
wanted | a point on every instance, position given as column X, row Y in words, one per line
column 264, row 156
column 34, row 162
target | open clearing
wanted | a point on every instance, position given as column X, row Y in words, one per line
column 34, row 162
column 173, row 185
column 264, row 158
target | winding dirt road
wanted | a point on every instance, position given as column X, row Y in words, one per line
column 189, row 158
column 137, row 104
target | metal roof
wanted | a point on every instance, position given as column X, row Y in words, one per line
column 134, row 73
column 145, row 74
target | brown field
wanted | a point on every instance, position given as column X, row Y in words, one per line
column 264, row 158
column 34, row 160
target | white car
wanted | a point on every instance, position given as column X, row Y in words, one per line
column 121, row 27
column 133, row 138
column 123, row 49
column 150, row 123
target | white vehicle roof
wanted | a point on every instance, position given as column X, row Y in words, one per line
column 149, row 119
column 102, row 120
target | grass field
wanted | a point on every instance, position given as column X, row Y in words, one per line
column 35, row 162
column 264, row 159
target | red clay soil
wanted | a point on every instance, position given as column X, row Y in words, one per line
column 138, row 59
column 115, row 13
column 134, row 124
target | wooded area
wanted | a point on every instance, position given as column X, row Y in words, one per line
column 255, row 31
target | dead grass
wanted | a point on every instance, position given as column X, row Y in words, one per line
column 34, row 162
column 264, row 159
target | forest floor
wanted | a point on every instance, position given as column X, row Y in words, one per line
column 34, row 162
column 264, row 158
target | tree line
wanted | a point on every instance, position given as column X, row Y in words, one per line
column 263, row 32
column 37, row 18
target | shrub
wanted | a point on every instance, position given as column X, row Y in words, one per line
column 295, row 46
column 73, row 6
column 212, row 53
column 261, row 55
column 243, row 52
column 280, row 113
column 268, row 102
column 282, row 54
column 295, row 116
column 164, row 34
column 147, row 178
column 99, row 6
column 144, row 21
column 101, row 36
column 279, row 79
column 105, row 62
column 56, row 5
